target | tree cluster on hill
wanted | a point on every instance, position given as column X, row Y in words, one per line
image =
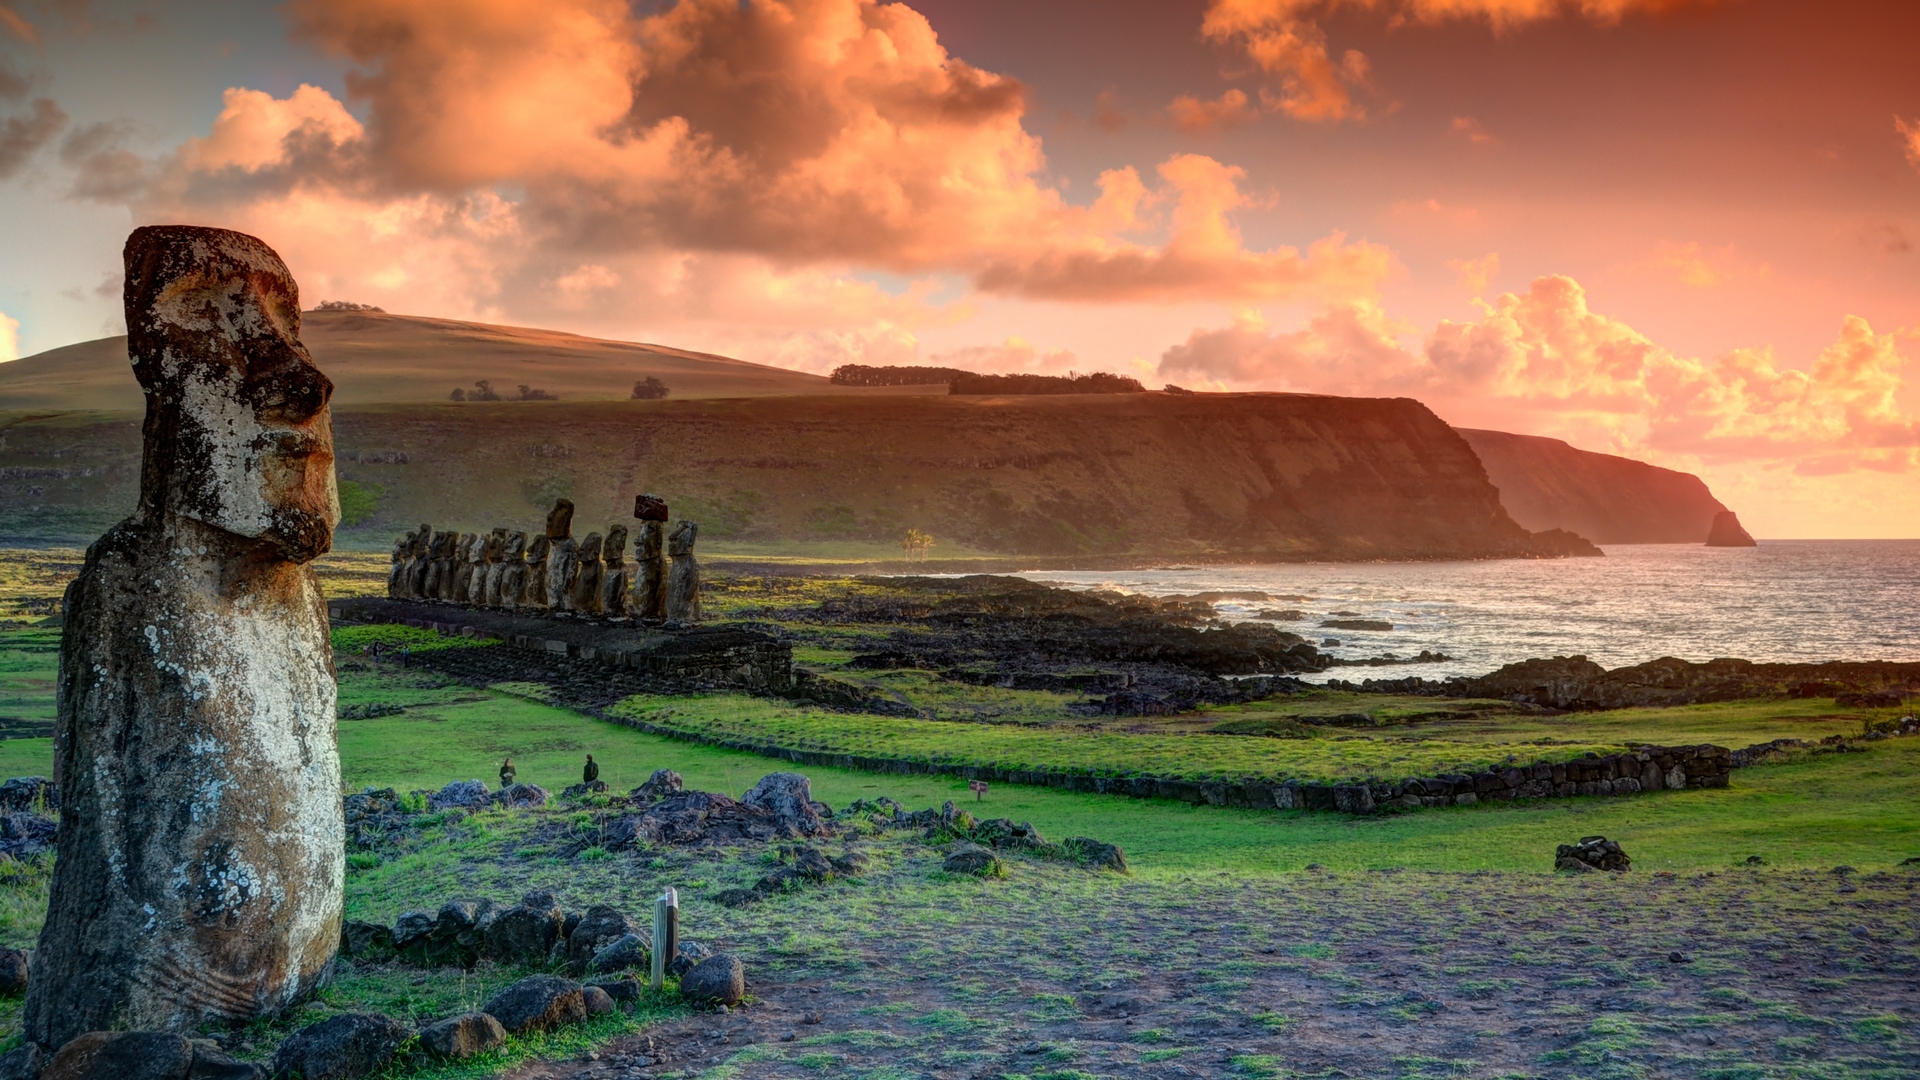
column 347, row 305
column 1099, row 382
column 863, row 375
column 650, row 389
column 483, row 391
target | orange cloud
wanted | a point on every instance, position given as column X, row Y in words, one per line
column 1015, row 354
column 1474, row 274
column 9, row 338
column 774, row 148
column 1230, row 109
column 1545, row 359
column 1473, row 131
column 1284, row 39
column 1910, row 133
column 1693, row 264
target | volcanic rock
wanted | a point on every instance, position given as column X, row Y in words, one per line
column 973, row 859
column 344, row 1047
column 721, row 979
column 788, row 797
column 538, row 1003
column 1726, row 532
column 1591, row 853
column 461, row 1037
column 602, row 925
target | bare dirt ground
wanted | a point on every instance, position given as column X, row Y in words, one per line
column 1066, row 975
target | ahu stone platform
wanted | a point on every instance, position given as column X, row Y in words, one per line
column 724, row 656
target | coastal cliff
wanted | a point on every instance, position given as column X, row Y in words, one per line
column 1155, row 476
column 1547, row 484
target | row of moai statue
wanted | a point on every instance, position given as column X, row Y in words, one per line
column 553, row 571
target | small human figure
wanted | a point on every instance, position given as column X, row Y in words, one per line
column 506, row 774
column 406, row 653
column 591, row 773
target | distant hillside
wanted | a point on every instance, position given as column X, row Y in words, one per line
column 1547, row 484
column 1245, row 476
column 379, row 359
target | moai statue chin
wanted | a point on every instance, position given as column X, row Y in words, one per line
column 583, row 593
column 683, row 580
column 201, row 848
column 561, row 553
column 613, row 581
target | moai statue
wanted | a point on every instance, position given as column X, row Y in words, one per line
column 583, row 593
column 422, row 559
column 561, row 549
column 475, row 586
column 436, row 564
column 504, row 588
column 613, row 581
column 462, row 583
column 683, row 581
column 650, row 576
column 534, row 595
column 492, row 548
column 397, row 573
column 202, row 853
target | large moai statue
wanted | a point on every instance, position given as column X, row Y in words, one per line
column 561, row 553
column 422, row 558
column 508, row 578
column 534, row 595
column 201, row 845
column 436, row 565
column 613, row 581
column 462, row 582
column 683, row 580
column 583, row 593
column 650, row 558
column 397, row 573
column 487, row 547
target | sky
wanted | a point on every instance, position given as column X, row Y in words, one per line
column 1679, row 230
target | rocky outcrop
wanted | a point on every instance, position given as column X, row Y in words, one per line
column 1726, row 532
column 196, row 672
column 1547, row 484
column 1575, row 682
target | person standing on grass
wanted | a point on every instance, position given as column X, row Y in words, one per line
column 506, row 774
column 591, row 773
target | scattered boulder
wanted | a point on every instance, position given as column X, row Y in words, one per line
column 579, row 791
column 601, row 926
column 662, row 783
column 344, row 1047
column 974, row 859
column 1006, row 833
column 527, row 796
column 623, row 991
column 29, row 793
column 411, row 927
column 456, row 935
column 122, row 1055
column 461, row 1037
column 630, row 951
column 212, row 1063
column 789, row 798
column 23, row 1062
column 1591, row 853
column 598, row 1001
column 527, row 932
column 25, row 835
column 687, row 956
column 721, row 979
column 464, row 794
column 14, row 966
column 538, row 1003
column 365, row 939
column 1097, row 854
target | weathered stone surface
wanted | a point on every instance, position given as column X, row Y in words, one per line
column 508, row 578
column 397, row 572
column 526, row 932
column 122, row 1055
column 24, row 835
column 789, row 798
column 614, row 583
column 973, row 859
column 465, row 794
column 662, row 783
column 628, row 951
column 598, row 1001
column 561, row 553
column 24, row 1062
column 1096, row 853
column 1592, row 852
column 421, row 560
column 624, row 990
column 650, row 570
column 602, row 925
column 683, row 578
column 534, row 595
column 365, row 939
column 344, row 1047
column 721, row 979
column 196, row 670
column 213, row 1064
column 583, row 591
column 34, row 793
column 649, row 508
column 538, row 1003
column 461, row 1037
column 521, row 795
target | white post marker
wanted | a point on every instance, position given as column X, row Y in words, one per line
column 666, row 934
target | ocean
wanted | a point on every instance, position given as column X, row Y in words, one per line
column 1786, row 600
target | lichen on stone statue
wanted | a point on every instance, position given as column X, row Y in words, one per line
column 561, row 548
column 422, row 559
column 583, row 592
column 504, row 588
column 201, row 847
column 534, row 595
column 613, row 580
column 650, row 569
column 683, row 579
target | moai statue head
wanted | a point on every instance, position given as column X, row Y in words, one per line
column 402, row 546
column 477, row 548
column 589, row 550
column 560, row 520
column 493, row 545
column 653, row 539
column 237, row 433
column 422, row 541
column 516, row 547
column 680, row 541
column 615, row 550
column 537, row 551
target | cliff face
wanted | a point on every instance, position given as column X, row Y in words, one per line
column 1253, row 476
column 1547, row 484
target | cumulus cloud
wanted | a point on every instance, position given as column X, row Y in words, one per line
column 1696, row 265
column 1910, row 137
column 1230, row 109
column 23, row 134
column 1543, row 360
column 1015, row 354
column 742, row 161
column 1284, row 39
column 9, row 338
column 1475, row 274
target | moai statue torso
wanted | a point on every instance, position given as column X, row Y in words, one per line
column 463, row 568
column 561, row 550
column 650, row 571
column 397, row 573
column 613, row 580
column 512, row 582
column 486, row 581
column 422, row 559
column 583, row 593
column 683, row 579
column 437, row 555
column 201, row 845
column 476, row 581
column 535, row 593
